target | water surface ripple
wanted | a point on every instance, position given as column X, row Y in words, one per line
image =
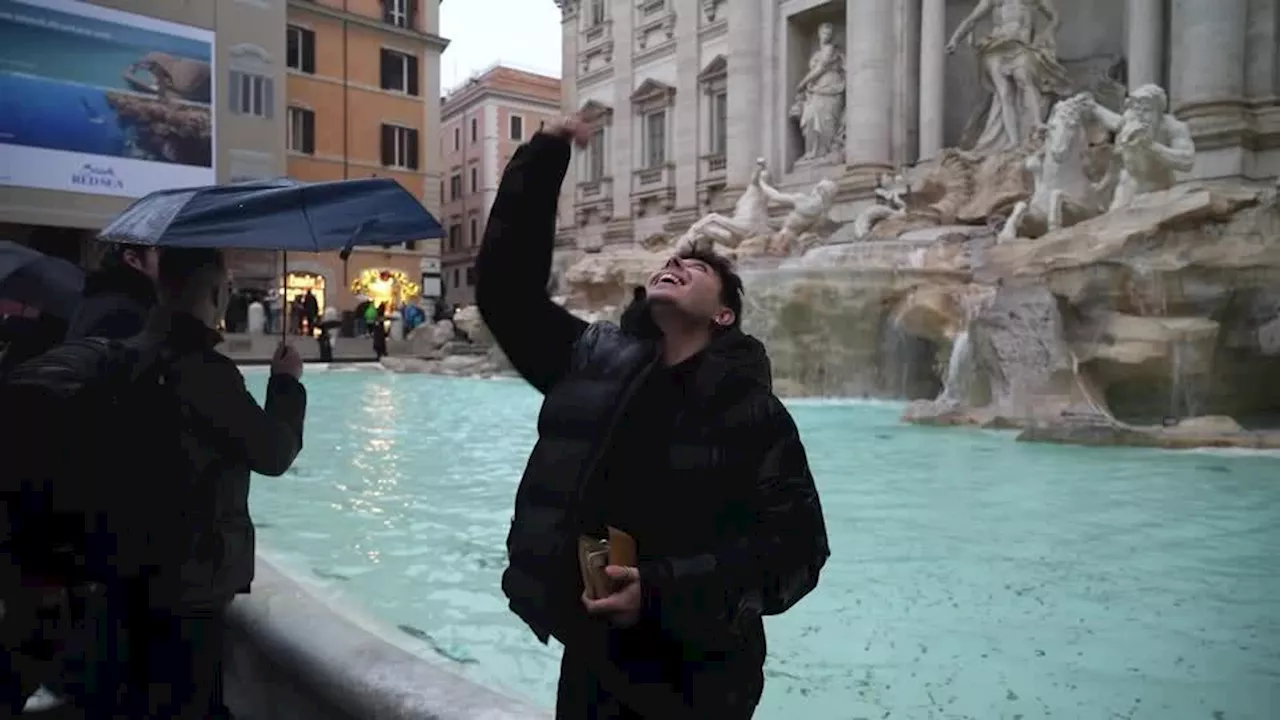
column 971, row 576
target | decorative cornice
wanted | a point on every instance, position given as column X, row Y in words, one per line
column 653, row 91
column 568, row 9
column 717, row 69
column 594, row 108
column 710, row 8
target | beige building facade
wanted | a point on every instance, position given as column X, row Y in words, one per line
column 693, row 93
column 483, row 122
column 161, row 94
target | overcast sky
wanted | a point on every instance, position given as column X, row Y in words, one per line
column 522, row 33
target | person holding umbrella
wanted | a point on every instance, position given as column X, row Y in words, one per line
column 167, row 237
column 227, row 435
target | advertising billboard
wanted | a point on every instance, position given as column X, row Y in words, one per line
column 100, row 101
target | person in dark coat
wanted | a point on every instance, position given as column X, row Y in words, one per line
column 114, row 304
column 311, row 310
column 237, row 312
column 379, row 330
column 667, row 429
column 118, row 296
column 227, row 435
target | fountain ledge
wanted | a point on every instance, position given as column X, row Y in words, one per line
column 289, row 656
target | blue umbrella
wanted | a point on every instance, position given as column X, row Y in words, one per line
column 33, row 278
column 280, row 214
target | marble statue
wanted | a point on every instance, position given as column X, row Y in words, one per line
column 1058, row 165
column 808, row 211
column 1151, row 144
column 891, row 195
column 820, row 97
column 750, row 217
column 1019, row 66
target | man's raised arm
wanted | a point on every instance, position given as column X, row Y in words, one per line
column 514, row 266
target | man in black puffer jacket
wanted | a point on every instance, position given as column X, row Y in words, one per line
column 118, row 296
column 667, row 429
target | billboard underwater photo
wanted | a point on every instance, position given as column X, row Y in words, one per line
column 102, row 101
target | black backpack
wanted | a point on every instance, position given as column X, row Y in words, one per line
column 92, row 452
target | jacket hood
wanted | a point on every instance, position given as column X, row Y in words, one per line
column 732, row 354
column 736, row 356
column 122, row 280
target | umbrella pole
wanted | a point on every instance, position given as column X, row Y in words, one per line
column 284, row 296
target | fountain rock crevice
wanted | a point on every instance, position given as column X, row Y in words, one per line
column 1143, row 320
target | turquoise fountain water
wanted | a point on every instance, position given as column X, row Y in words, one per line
column 971, row 576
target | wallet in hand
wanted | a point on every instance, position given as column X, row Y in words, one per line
column 595, row 554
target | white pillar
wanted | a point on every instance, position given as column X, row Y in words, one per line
column 1209, row 51
column 622, row 147
column 687, row 120
column 933, row 66
column 906, row 91
column 745, row 98
column 869, row 110
column 568, row 104
column 1260, row 74
column 1144, row 25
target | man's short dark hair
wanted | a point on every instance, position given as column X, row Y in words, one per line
column 112, row 255
column 179, row 267
column 730, row 281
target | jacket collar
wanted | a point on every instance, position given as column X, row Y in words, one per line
column 733, row 358
column 182, row 331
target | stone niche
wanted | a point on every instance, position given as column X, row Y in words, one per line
column 801, row 40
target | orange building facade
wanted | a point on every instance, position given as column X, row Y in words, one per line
column 482, row 124
column 363, row 100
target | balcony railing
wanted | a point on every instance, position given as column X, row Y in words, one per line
column 713, row 167
column 593, row 191
column 654, row 178
column 598, row 33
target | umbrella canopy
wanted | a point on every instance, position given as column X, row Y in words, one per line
column 282, row 214
column 33, row 278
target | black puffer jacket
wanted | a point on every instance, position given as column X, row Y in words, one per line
column 750, row 536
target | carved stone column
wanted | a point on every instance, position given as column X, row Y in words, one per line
column 1207, row 83
column 745, row 96
column 933, row 66
column 1145, row 25
column 1262, row 71
column 568, row 100
column 622, row 139
column 1209, row 50
column 687, row 122
column 869, row 111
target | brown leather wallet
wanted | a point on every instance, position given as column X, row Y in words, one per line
column 593, row 556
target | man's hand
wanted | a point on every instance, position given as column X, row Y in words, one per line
column 287, row 361
column 576, row 128
column 622, row 608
